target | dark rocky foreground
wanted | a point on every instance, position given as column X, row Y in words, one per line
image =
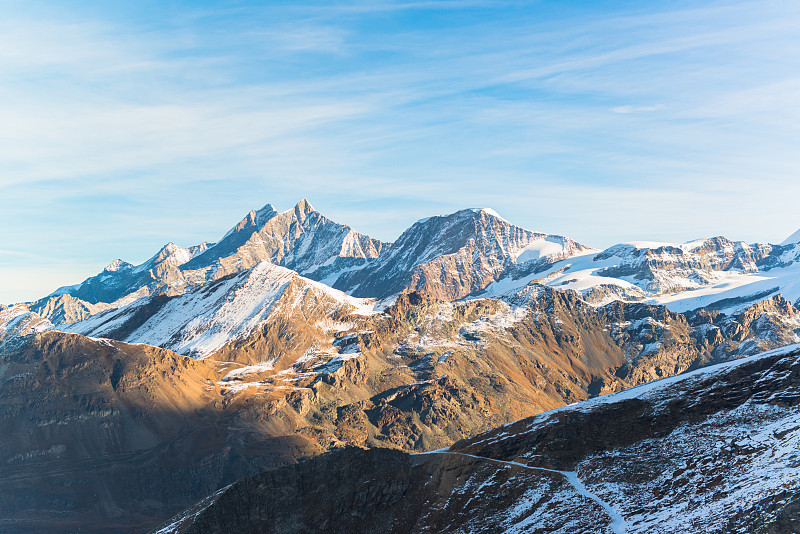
column 717, row 450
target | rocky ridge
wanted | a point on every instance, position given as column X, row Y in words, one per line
column 455, row 255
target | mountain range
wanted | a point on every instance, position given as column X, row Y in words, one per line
column 470, row 253
column 148, row 388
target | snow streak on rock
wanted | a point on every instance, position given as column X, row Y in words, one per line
column 617, row 521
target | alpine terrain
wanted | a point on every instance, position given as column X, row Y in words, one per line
column 298, row 376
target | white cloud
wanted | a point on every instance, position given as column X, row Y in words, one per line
column 633, row 109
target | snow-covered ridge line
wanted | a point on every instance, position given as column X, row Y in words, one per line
column 617, row 525
column 683, row 277
column 205, row 319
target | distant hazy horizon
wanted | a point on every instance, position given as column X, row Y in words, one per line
column 127, row 127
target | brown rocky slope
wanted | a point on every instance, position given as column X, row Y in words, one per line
column 713, row 451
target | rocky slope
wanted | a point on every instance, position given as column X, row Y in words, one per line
column 224, row 312
column 313, row 373
column 712, row 451
column 455, row 255
column 103, row 436
column 17, row 321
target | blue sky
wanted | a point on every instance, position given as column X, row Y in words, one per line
column 127, row 125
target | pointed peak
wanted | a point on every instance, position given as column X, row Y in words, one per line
column 170, row 253
column 168, row 250
column 304, row 207
column 255, row 218
column 268, row 208
column 117, row 265
column 259, row 217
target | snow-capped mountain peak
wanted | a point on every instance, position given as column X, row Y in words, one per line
column 260, row 217
column 117, row 265
column 171, row 253
column 452, row 256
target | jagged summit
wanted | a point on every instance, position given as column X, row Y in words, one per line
column 300, row 238
column 264, row 214
column 169, row 252
column 304, row 207
column 452, row 256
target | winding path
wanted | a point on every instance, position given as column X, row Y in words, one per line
column 617, row 521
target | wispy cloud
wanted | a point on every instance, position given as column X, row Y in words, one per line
column 633, row 109
column 118, row 127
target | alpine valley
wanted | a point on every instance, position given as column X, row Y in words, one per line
column 288, row 377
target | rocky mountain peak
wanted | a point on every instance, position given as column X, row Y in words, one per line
column 452, row 256
column 170, row 256
column 260, row 217
column 253, row 221
column 303, row 208
column 117, row 265
column 170, row 249
column 234, row 238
